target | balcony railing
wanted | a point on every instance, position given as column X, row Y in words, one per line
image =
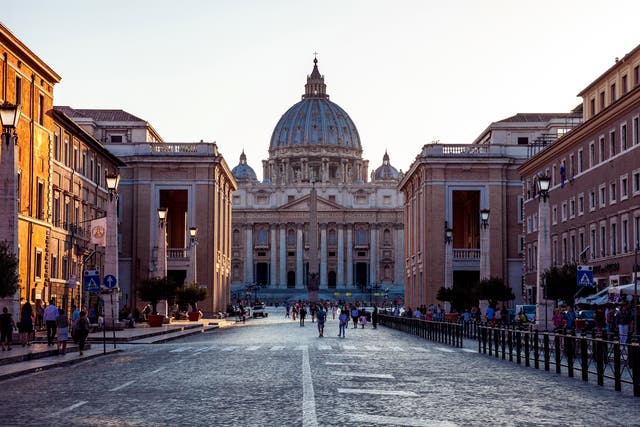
column 463, row 254
column 178, row 253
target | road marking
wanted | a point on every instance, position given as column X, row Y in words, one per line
column 354, row 355
column 120, row 387
column 70, row 408
column 468, row 350
column 253, row 347
column 301, row 347
column 349, row 347
column 363, row 375
column 445, row 350
column 377, row 392
column 336, row 363
column 180, row 361
column 157, row 370
column 424, row 350
column 397, row 348
column 309, row 418
column 277, row 347
column 230, row 348
column 398, row 421
column 180, row 349
column 372, row 348
column 324, row 347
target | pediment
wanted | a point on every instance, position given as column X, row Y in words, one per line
column 302, row 204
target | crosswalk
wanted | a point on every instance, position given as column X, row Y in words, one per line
column 355, row 350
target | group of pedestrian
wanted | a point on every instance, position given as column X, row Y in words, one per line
column 319, row 312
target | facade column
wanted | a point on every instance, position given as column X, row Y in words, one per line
column 248, row 266
column 323, row 256
column 373, row 254
column 283, row 255
column 299, row 254
column 544, row 308
column 349, row 256
column 399, row 262
column 273, row 269
column 340, row 272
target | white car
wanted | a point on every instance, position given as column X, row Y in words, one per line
column 259, row 310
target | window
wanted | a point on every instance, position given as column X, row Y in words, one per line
column 332, row 198
column 581, row 241
column 601, row 149
column 592, row 106
column 612, row 143
column 56, row 209
column 624, row 190
column 565, row 250
column 612, row 93
column 290, row 198
column 636, row 182
column 625, row 236
column 386, row 200
column 37, row 264
column 523, row 140
column 18, row 90
column 520, row 209
column 564, row 211
column 613, row 193
column 331, row 237
column 592, row 155
column 116, row 139
column 603, row 196
column 602, row 101
column 75, row 159
column 554, row 252
column 623, row 137
column 571, row 169
column 636, row 75
column 84, row 163
column 361, row 237
column 624, row 84
column 56, row 146
column 603, row 240
column 262, row 237
column 40, row 200
column 41, row 110
column 54, row 266
column 572, row 208
column 66, row 151
column 637, row 221
column 594, row 250
column 535, row 221
column 291, row 238
column 554, row 215
column 520, row 244
column 634, row 130
column 580, row 204
column 65, row 267
column 592, row 200
column 614, row 239
column 579, row 161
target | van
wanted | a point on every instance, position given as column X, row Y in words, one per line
column 529, row 311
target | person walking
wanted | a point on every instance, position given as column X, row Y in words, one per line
column 82, row 330
column 50, row 316
column 302, row 314
column 355, row 314
column 62, row 326
column 321, row 314
column 287, row 310
column 343, row 320
column 26, row 324
column 6, row 328
column 374, row 316
column 623, row 319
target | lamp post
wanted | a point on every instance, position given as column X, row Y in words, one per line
column 485, row 271
column 9, row 116
column 448, row 261
column 111, row 307
column 544, row 253
column 193, row 255
column 161, row 269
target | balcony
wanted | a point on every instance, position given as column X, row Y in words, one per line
column 466, row 259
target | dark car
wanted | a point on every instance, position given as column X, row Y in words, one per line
column 588, row 317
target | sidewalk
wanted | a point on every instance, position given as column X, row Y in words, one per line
column 39, row 356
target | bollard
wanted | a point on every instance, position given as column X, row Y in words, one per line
column 518, row 348
column 568, row 350
column 617, row 371
column 536, row 348
column 634, row 358
column 545, row 345
column 526, row 349
column 601, row 348
column 558, row 353
column 584, row 357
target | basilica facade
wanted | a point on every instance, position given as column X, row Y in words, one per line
column 359, row 216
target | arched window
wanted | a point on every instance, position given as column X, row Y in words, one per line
column 291, row 237
column 387, row 237
column 236, row 237
column 262, row 236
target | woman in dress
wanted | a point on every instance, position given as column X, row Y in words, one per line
column 26, row 324
column 62, row 324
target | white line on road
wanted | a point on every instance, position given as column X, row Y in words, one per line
column 309, row 418
column 468, row 350
column 301, row 347
column 253, row 348
column 424, row 350
column 445, row 350
column 372, row 348
column 230, row 348
column 180, row 349
column 70, row 408
column 336, row 363
column 398, row 421
column 277, row 347
column 324, row 347
column 349, row 347
column 157, row 370
column 120, row 387
column 363, row 375
column 377, row 392
column 397, row 348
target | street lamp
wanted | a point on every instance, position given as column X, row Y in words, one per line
column 484, row 218
column 111, row 251
column 9, row 116
column 448, row 233
column 544, row 182
column 193, row 233
column 112, row 184
column 162, row 216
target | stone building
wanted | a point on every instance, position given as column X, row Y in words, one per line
column 360, row 252
column 192, row 182
column 592, row 214
column 25, row 166
column 448, row 187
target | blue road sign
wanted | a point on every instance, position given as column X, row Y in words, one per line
column 110, row 281
column 91, row 280
column 584, row 275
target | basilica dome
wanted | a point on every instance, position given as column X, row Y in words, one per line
column 385, row 171
column 243, row 172
column 315, row 121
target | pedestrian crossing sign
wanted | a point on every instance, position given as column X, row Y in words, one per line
column 584, row 275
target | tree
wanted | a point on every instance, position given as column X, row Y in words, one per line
column 191, row 294
column 560, row 282
column 494, row 290
column 157, row 289
column 9, row 278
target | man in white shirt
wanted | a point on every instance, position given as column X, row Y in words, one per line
column 50, row 316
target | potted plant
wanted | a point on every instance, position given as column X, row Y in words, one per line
column 190, row 295
column 155, row 290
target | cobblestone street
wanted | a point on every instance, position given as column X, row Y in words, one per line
column 272, row 372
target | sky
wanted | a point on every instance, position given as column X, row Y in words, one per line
column 407, row 72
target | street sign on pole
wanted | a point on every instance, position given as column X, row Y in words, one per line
column 91, row 280
column 110, row 281
column 72, row 281
column 584, row 276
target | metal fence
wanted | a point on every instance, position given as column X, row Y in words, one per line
column 444, row 332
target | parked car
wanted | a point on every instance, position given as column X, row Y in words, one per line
column 588, row 317
column 260, row 310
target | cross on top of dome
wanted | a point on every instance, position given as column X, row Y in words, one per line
column 315, row 87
